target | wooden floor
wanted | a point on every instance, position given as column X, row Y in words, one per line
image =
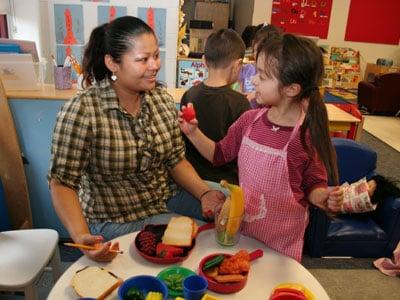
column 387, row 129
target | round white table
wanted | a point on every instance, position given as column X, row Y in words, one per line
column 265, row 273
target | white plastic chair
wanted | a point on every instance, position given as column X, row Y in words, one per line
column 24, row 255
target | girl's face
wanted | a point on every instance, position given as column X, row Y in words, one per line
column 266, row 85
column 139, row 66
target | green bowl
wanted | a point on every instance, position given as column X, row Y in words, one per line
column 173, row 277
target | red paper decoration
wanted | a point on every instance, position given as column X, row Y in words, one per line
column 306, row 17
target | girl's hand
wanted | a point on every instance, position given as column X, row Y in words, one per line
column 210, row 201
column 187, row 127
column 102, row 253
column 335, row 199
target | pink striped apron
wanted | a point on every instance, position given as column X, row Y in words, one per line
column 272, row 214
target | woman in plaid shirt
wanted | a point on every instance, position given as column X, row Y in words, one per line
column 117, row 149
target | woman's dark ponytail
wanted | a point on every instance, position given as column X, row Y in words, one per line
column 93, row 67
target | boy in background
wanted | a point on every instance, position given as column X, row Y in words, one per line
column 217, row 106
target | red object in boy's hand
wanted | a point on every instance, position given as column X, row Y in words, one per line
column 188, row 113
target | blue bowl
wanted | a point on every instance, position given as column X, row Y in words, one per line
column 145, row 284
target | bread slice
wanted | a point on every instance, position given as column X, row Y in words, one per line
column 179, row 232
column 94, row 282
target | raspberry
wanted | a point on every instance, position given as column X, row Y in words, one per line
column 147, row 242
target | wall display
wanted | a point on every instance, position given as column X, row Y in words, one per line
column 69, row 32
column 157, row 19
column 341, row 67
column 307, row 17
column 68, row 24
column 190, row 72
column 72, row 24
column 106, row 14
column 374, row 22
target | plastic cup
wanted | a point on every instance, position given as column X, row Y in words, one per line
column 62, row 78
column 227, row 229
column 194, row 287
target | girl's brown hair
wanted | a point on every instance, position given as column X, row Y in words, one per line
column 293, row 59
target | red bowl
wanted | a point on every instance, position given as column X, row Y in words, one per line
column 159, row 231
column 230, row 287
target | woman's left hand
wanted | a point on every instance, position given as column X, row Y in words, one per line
column 210, row 201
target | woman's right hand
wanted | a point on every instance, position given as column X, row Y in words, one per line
column 102, row 253
column 187, row 127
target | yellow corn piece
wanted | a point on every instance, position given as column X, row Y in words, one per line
column 236, row 210
column 154, row 296
column 208, row 297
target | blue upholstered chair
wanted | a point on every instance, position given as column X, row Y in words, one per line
column 373, row 234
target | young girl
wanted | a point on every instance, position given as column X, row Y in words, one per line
column 284, row 154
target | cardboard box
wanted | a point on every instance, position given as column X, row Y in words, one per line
column 198, row 39
column 216, row 12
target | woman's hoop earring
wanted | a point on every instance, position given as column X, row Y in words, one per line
column 113, row 77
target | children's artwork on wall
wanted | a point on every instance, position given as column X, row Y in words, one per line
column 68, row 23
column 161, row 73
column 157, row 20
column 306, row 17
column 106, row 14
column 374, row 22
column 72, row 21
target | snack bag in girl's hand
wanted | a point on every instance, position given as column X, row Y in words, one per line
column 356, row 198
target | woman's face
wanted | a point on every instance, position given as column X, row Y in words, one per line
column 139, row 66
column 266, row 85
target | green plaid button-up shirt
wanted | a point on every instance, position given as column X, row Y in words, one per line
column 119, row 164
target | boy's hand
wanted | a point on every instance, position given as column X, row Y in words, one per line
column 251, row 96
column 187, row 119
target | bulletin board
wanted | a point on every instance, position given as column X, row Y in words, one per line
column 306, row 17
column 71, row 22
column 374, row 21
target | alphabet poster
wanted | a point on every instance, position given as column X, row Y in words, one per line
column 306, row 17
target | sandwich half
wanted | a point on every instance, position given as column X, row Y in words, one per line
column 180, row 232
column 94, row 282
